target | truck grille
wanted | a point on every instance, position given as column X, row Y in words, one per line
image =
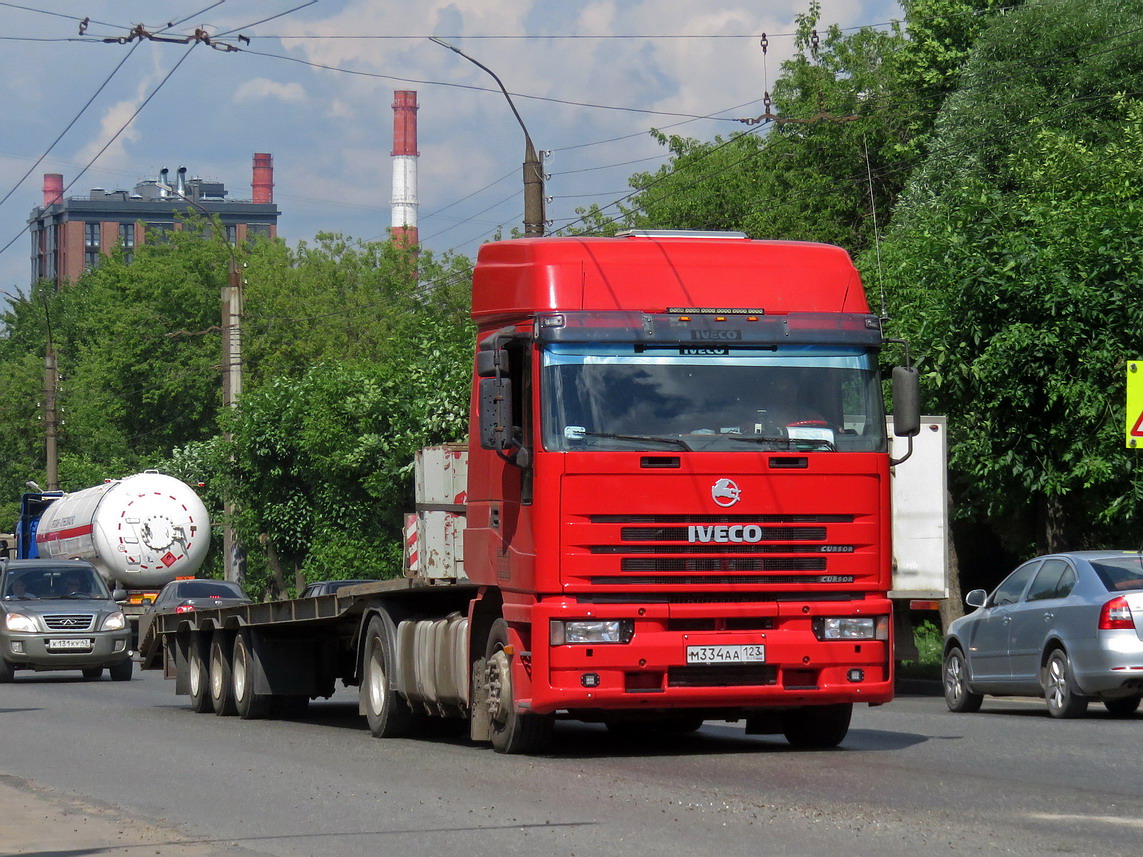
column 721, row 550
column 69, row 621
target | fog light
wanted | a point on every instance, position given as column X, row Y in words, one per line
column 17, row 647
column 855, row 675
column 589, row 680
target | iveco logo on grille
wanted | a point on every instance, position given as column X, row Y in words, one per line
column 749, row 533
column 715, row 335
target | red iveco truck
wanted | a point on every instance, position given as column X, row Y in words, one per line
column 673, row 507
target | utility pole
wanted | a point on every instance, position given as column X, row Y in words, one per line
column 533, row 165
column 51, row 418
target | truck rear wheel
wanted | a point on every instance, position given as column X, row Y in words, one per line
column 221, row 677
column 198, row 680
column 388, row 714
column 819, row 727
column 512, row 732
column 248, row 704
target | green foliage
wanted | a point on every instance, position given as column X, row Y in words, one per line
column 1011, row 267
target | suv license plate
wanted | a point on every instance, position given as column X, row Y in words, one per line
column 753, row 654
column 70, row 644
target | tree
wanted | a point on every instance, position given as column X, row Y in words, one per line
column 1010, row 268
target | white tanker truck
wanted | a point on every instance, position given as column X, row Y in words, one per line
column 140, row 532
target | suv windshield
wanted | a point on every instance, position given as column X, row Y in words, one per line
column 47, row 581
column 621, row 397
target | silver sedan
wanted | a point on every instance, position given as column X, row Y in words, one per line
column 1067, row 627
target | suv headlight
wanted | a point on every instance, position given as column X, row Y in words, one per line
column 115, row 621
column 591, row 631
column 20, row 623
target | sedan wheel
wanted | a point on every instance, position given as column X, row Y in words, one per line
column 958, row 697
column 1060, row 692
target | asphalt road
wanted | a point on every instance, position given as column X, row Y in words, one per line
column 91, row 768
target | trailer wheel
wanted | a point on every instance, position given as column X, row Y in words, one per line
column 248, row 704
column 388, row 714
column 122, row 670
column 512, row 732
column 198, row 678
column 817, row 728
column 221, row 679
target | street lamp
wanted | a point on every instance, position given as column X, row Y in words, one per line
column 533, row 167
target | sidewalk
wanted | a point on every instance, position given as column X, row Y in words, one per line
column 45, row 823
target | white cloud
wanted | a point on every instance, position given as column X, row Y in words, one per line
column 260, row 89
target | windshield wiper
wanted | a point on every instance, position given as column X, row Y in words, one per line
column 788, row 441
column 673, row 441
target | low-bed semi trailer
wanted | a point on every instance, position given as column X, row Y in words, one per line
column 673, row 506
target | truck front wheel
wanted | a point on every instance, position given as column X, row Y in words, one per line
column 820, row 727
column 221, row 677
column 388, row 714
column 512, row 732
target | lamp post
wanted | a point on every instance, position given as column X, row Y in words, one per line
column 533, row 165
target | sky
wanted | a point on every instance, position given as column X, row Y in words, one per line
column 311, row 82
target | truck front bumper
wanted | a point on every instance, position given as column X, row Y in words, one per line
column 710, row 656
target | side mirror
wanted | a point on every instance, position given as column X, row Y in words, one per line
column 906, row 402
column 495, row 413
column 119, row 594
column 976, row 598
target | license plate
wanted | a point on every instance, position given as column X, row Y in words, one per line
column 70, row 644
column 752, row 654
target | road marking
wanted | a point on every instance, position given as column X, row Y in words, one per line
column 1100, row 819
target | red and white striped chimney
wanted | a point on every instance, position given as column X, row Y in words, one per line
column 262, row 187
column 53, row 188
column 404, row 225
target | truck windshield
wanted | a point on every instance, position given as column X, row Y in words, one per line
column 622, row 397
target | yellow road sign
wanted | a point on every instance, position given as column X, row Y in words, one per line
column 1134, row 423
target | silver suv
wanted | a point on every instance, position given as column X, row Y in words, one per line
column 58, row 615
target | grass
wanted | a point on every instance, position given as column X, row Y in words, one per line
column 929, row 640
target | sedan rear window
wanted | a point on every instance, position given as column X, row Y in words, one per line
column 206, row 589
column 1120, row 575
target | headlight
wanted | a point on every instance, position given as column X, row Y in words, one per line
column 20, row 622
column 115, row 622
column 852, row 628
column 590, row 631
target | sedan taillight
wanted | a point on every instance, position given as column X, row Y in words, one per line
column 1116, row 614
column 185, row 608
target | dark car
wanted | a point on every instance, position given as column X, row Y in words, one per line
column 183, row 596
column 58, row 615
column 328, row 587
column 1067, row 627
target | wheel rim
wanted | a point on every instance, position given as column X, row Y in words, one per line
column 499, row 687
column 377, row 689
column 239, row 673
column 1057, row 690
column 954, row 679
column 196, row 677
column 216, row 674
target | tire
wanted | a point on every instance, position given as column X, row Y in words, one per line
column 817, row 728
column 7, row 672
column 1125, row 706
column 198, row 680
column 221, row 678
column 388, row 714
column 512, row 732
column 1060, row 692
column 122, row 671
column 958, row 697
column 248, row 704
column 92, row 673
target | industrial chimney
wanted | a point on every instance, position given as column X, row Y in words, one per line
column 404, row 225
column 262, row 187
column 53, row 188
